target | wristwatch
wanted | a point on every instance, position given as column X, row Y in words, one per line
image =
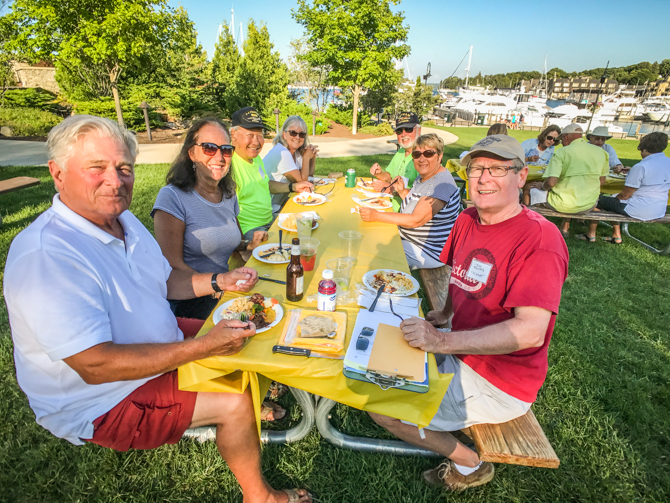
column 215, row 285
column 290, row 186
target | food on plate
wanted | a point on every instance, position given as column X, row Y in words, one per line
column 291, row 223
column 277, row 257
column 256, row 309
column 396, row 282
column 308, row 198
column 315, row 326
column 364, row 184
column 377, row 203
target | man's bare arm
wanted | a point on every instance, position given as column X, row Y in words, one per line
column 187, row 285
column 626, row 193
column 549, row 183
column 110, row 362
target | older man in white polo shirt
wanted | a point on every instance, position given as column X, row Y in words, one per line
column 95, row 343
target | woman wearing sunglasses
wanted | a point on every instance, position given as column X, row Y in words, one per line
column 195, row 214
column 538, row 152
column 292, row 158
column 428, row 210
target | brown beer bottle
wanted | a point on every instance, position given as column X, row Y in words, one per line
column 295, row 274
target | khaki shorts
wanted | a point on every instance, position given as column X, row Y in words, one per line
column 471, row 399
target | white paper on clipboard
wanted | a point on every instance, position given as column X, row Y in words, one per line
column 359, row 359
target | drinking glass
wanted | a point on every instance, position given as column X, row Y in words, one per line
column 350, row 242
column 342, row 269
column 308, row 249
column 304, row 226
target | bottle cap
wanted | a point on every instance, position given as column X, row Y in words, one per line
column 327, row 274
column 296, row 241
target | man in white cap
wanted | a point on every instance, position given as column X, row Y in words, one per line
column 503, row 317
column 598, row 137
column 573, row 177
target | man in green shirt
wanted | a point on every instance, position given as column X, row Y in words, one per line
column 408, row 130
column 252, row 184
column 574, row 175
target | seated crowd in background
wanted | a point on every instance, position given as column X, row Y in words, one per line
column 598, row 137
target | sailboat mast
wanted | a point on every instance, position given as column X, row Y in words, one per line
column 467, row 75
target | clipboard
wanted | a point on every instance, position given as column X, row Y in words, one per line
column 392, row 356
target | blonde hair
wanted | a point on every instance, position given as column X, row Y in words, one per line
column 62, row 138
column 431, row 140
column 293, row 119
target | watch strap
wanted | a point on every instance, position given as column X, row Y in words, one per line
column 215, row 285
column 290, row 186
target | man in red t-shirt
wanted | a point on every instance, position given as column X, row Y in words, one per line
column 508, row 268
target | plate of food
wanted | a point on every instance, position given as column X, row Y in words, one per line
column 376, row 203
column 289, row 222
column 365, row 184
column 309, row 199
column 620, row 176
column 397, row 282
column 265, row 313
column 268, row 253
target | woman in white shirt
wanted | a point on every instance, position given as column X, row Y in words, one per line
column 292, row 158
column 538, row 152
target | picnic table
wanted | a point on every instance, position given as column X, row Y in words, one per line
column 255, row 365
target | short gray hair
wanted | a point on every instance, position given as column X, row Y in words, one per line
column 62, row 138
column 431, row 140
column 293, row 119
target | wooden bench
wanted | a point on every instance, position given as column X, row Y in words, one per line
column 17, row 183
column 607, row 216
column 517, row 442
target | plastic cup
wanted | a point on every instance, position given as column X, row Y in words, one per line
column 308, row 249
column 304, row 226
column 342, row 269
column 350, row 242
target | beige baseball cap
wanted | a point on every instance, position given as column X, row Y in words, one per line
column 572, row 128
column 499, row 144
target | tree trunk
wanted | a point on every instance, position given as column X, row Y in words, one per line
column 113, row 78
column 354, row 125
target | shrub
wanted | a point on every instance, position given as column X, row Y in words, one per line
column 28, row 121
column 133, row 115
column 345, row 115
column 31, row 97
column 429, row 123
column 301, row 109
column 383, row 129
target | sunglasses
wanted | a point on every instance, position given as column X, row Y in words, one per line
column 426, row 153
column 295, row 133
column 407, row 130
column 552, row 138
column 211, row 148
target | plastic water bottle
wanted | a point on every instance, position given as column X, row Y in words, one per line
column 327, row 296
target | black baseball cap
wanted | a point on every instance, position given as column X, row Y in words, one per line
column 248, row 118
column 406, row 119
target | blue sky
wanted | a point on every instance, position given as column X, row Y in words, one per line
column 507, row 36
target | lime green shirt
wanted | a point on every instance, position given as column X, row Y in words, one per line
column 402, row 165
column 578, row 168
column 253, row 193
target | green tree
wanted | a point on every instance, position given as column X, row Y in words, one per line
column 6, row 73
column 664, row 68
column 451, row 83
column 417, row 98
column 302, row 73
column 382, row 97
column 357, row 39
column 224, row 67
column 105, row 38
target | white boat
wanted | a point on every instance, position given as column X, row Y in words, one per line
column 657, row 116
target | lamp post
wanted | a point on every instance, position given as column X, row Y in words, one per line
column 145, row 108
column 276, row 112
column 314, row 114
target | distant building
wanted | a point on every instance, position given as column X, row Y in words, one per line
column 581, row 88
column 42, row 75
column 660, row 87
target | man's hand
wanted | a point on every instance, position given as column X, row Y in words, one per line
column 238, row 280
column 378, row 185
column 421, row 334
column 536, row 185
column 619, row 168
column 398, row 184
column 437, row 318
column 227, row 337
column 368, row 214
column 259, row 237
column 303, row 187
column 376, row 169
column 532, row 158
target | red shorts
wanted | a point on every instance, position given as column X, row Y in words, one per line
column 155, row 414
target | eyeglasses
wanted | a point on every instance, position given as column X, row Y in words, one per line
column 552, row 138
column 426, row 153
column 211, row 148
column 407, row 130
column 296, row 133
column 495, row 171
column 363, row 342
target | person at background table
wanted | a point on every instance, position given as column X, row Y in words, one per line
column 498, row 128
column 598, row 137
column 407, row 129
column 645, row 193
column 539, row 151
column 573, row 178
column 503, row 316
column 292, row 158
column 252, row 184
column 429, row 209
column 96, row 351
column 195, row 214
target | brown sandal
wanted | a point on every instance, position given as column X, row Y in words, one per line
column 271, row 411
column 295, row 497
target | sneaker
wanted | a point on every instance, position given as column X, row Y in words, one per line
column 448, row 476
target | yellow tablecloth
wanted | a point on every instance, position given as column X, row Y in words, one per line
column 381, row 248
column 612, row 185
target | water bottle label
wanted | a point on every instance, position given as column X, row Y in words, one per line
column 326, row 302
column 299, row 285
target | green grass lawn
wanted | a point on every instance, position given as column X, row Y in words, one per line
column 605, row 406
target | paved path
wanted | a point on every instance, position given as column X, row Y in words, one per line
column 31, row 153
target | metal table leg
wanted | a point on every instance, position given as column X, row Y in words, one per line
column 364, row 444
column 298, row 432
column 665, row 251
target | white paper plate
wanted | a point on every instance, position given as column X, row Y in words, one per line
column 262, row 250
column 385, row 206
column 617, row 175
column 318, row 199
column 217, row 316
column 369, row 279
column 365, row 185
column 280, row 223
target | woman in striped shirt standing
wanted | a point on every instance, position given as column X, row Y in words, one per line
column 429, row 209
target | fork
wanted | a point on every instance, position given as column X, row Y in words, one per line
column 394, row 313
